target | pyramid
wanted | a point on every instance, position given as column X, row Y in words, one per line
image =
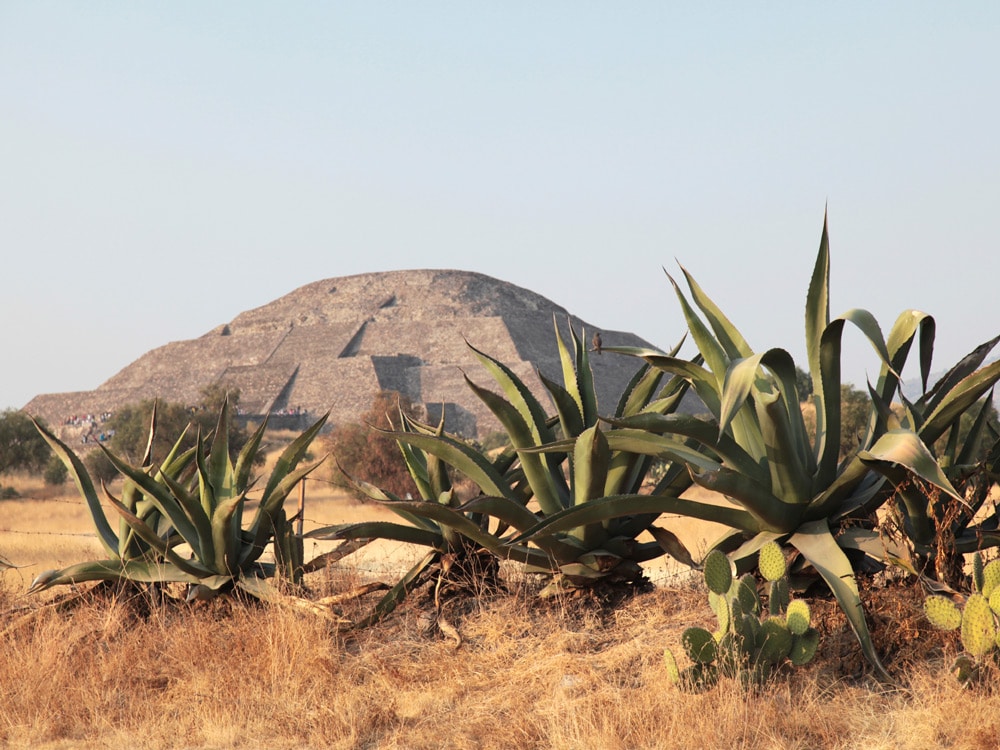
column 331, row 345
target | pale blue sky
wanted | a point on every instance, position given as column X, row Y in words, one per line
column 166, row 165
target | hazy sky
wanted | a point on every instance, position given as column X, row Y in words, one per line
column 167, row 165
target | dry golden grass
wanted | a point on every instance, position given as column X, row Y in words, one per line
column 567, row 674
column 113, row 672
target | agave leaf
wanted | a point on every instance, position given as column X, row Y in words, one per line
column 627, row 505
column 728, row 450
column 770, row 512
column 461, row 457
column 704, row 382
column 950, row 405
column 273, row 500
column 959, row 372
column 517, row 393
column 902, row 449
column 639, row 391
column 226, row 530
column 818, row 310
column 710, row 348
column 112, row 570
column 202, row 545
column 164, row 500
column 395, row 596
column 149, row 535
column 818, row 546
column 673, row 546
column 591, row 457
column 974, row 440
column 568, row 410
column 244, row 461
column 729, row 337
column 535, row 466
column 790, row 479
column 909, row 324
column 396, row 532
column 582, row 380
column 291, row 457
column 510, row 512
column 81, row 477
column 453, row 519
column 220, row 469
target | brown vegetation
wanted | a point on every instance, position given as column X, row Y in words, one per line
column 110, row 670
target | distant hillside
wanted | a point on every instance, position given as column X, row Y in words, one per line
column 332, row 344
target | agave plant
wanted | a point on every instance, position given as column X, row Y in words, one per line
column 784, row 485
column 563, row 498
column 195, row 498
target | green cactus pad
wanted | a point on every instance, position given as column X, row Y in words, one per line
column 977, row 572
column 699, row 677
column 720, row 606
column 991, row 578
column 700, row 645
column 718, row 572
column 670, row 663
column 778, row 597
column 995, row 600
column 942, row 612
column 978, row 626
column 964, row 669
column 771, row 561
column 745, row 589
column 804, row 647
column 797, row 616
column 774, row 641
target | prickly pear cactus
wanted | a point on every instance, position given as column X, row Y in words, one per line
column 991, row 578
column 942, row 612
column 976, row 620
column 771, row 561
column 718, row 572
column 979, row 629
column 750, row 642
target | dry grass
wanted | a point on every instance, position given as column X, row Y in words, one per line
column 112, row 671
column 569, row 674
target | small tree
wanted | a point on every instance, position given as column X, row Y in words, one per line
column 366, row 454
column 22, row 448
column 130, row 426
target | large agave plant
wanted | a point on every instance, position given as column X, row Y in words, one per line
column 195, row 498
column 784, row 485
column 563, row 498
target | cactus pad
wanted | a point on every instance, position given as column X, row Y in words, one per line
column 978, row 626
column 991, row 578
column 797, row 617
column 720, row 606
column 771, row 561
column 804, row 647
column 995, row 600
column 942, row 612
column 718, row 572
column 670, row 663
column 977, row 572
column 746, row 592
column 774, row 640
column 778, row 597
column 700, row 645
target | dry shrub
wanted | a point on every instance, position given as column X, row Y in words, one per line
column 566, row 673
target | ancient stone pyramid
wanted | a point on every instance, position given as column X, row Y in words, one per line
column 331, row 345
